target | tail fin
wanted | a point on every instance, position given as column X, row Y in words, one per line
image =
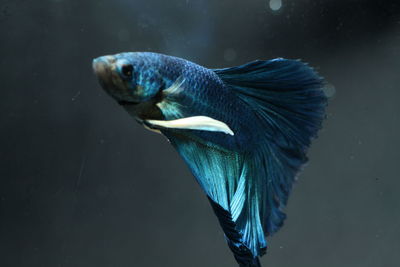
column 288, row 99
column 289, row 91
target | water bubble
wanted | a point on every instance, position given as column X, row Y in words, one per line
column 329, row 90
column 229, row 54
column 275, row 5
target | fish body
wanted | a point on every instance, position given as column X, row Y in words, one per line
column 243, row 131
column 200, row 92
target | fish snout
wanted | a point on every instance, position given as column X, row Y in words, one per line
column 102, row 65
column 103, row 68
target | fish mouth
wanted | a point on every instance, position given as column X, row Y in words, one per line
column 102, row 68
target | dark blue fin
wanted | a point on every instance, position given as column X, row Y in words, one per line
column 287, row 95
column 243, row 255
column 229, row 180
column 289, row 102
column 249, row 190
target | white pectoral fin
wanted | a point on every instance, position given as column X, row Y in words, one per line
column 202, row 123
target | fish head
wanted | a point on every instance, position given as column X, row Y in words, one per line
column 130, row 78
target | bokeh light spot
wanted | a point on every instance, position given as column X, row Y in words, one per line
column 329, row 90
column 275, row 5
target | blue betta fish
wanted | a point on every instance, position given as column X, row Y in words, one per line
column 243, row 131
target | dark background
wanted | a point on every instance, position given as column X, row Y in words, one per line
column 81, row 184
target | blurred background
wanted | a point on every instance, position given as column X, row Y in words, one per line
column 81, row 184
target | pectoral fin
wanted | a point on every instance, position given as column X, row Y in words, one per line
column 202, row 123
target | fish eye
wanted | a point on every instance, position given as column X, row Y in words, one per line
column 127, row 70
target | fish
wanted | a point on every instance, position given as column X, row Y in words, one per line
column 243, row 131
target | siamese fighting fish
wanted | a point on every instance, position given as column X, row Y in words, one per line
column 243, row 131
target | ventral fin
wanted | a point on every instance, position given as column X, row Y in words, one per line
column 202, row 123
column 151, row 130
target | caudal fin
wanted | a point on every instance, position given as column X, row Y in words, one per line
column 288, row 99
column 289, row 92
column 248, row 191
